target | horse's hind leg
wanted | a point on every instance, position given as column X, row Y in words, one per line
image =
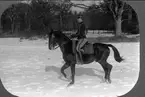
column 109, row 71
column 65, row 66
column 103, row 64
column 106, row 66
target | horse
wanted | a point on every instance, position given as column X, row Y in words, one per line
column 100, row 54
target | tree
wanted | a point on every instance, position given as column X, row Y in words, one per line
column 116, row 8
column 38, row 11
column 40, row 15
column 22, row 10
column 5, row 20
column 12, row 16
column 92, row 12
column 16, row 14
column 62, row 10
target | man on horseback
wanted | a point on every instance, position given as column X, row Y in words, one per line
column 100, row 53
column 81, row 36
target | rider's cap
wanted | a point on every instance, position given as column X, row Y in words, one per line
column 80, row 19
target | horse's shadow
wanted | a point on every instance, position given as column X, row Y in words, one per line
column 79, row 71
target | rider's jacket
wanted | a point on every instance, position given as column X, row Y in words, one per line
column 81, row 31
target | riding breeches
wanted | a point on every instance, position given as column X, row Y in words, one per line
column 80, row 44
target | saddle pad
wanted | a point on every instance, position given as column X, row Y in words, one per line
column 88, row 49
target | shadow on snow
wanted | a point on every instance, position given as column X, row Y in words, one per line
column 79, row 72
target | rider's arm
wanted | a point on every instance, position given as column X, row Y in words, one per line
column 76, row 34
column 78, row 31
column 81, row 30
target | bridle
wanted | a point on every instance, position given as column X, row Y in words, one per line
column 57, row 43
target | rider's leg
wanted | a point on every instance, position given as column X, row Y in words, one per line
column 78, row 45
column 74, row 46
column 82, row 44
column 78, row 48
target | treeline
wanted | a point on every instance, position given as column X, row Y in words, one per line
column 37, row 17
column 98, row 19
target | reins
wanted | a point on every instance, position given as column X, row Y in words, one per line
column 64, row 42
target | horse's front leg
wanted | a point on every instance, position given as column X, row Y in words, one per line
column 65, row 66
column 73, row 74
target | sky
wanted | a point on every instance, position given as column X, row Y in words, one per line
column 86, row 2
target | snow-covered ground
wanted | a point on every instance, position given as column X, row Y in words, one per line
column 29, row 69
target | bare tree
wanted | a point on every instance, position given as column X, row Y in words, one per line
column 41, row 11
column 13, row 16
column 117, row 8
column 62, row 9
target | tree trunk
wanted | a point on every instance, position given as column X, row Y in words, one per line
column 129, row 16
column 118, row 30
column 17, row 29
column 29, row 25
column 60, row 22
column 13, row 27
column 28, row 21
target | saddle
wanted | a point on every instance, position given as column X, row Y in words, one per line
column 88, row 48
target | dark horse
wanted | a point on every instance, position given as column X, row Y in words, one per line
column 100, row 55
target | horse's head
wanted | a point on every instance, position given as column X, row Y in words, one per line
column 56, row 38
column 52, row 40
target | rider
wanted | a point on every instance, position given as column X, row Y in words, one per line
column 81, row 35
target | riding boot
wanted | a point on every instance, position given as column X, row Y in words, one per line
column 81, row 59
column 77, row 58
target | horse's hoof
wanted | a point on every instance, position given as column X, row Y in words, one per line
column 70, row 84
column 64, row 75
column 68, row 78
column 109, row 81
column 103, row 81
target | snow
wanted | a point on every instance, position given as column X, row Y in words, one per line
column 29, row 68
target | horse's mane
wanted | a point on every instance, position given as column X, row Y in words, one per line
column 60, row 34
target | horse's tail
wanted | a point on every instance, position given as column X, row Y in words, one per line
column 117, row 56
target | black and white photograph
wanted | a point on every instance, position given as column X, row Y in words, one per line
column 69, row 48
